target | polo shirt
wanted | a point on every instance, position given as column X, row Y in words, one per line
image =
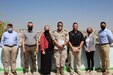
column 75, row 38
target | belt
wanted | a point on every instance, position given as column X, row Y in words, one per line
column 30, row 45
column 11, row 46
column 104, row 44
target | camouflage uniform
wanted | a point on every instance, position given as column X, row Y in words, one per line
column 60, row 55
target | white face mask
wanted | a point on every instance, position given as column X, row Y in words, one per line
column 10, row 30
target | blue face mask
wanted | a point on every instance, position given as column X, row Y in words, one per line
column 10, row 30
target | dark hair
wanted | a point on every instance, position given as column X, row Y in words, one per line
column 103, row 23
column 10, row 25
column 59, row 22
column 30, row 22
column 75, row 23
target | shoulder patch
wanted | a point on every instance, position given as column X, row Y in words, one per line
column 54, row 31
column 65, row 30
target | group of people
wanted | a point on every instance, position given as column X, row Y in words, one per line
column 57, row 43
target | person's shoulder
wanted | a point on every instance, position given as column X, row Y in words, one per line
column 14, row 32
column 42, row 35
column 93, row 35
column 4, row 33
column 35, row 32
column 108, row 30
column 79, row 32
column 24, row 31
column 70, row 31
column 65, row 30
column 54, row 31
column 99, row 31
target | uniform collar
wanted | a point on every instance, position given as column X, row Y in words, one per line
column 60, row 31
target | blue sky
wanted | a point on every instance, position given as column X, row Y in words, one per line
column 42, row 12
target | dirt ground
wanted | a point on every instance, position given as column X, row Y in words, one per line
column 66, row 73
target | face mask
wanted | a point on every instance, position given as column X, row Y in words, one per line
column 89, row 32
column 30, row 28
column 10, row 30
column 103, row 27
column 46, row 31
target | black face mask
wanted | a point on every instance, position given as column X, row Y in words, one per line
column 89, row 32
column 46, row 31
column 30, row 28
column 103, row 27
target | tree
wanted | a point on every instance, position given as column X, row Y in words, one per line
column 2, row 28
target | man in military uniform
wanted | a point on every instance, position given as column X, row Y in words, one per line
column 61, row 39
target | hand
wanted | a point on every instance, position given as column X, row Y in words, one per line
column 36, row 50
column 87, row 50
column 17, row 46
column 24, row 50
column 60, row 46
column 78, row 50
column 64, row 44
column 75, row 49
column 43, row 52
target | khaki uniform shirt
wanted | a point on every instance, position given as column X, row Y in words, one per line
column 60, row 37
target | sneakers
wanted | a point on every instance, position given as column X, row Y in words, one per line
column 26, row 73
column 72, row 73
column 29, row 73
column 78, row 72
column 87, row 71
column 90, row 72
column 62, row 71
column 14, row 73
column 34, row 73
column 107, row 71
column 58, row 71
